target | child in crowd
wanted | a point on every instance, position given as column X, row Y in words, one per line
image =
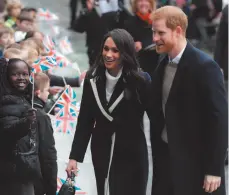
column 13, row 12
column 31, row 11
column 25, row 23
column 16, row 53
column 18, row 130
column 33, row 43
column 6, row 38
column 47, row 151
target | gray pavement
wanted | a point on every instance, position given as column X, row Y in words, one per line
column 61, row 8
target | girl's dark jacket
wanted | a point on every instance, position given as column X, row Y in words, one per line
column 14, row 129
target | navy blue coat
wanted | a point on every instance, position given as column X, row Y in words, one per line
column 196, row 120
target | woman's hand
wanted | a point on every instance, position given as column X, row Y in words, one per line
column 72, row 167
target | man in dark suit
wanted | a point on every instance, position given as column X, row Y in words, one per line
column 189, row 113
column 221, row 50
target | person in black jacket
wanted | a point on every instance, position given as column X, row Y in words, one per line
column 47, row 152
column 91, row 23
column 221, row 50
column 95, row 27
column 140, row 27
column 115, row 96
column 18, row 133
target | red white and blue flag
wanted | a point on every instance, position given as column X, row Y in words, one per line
column 65, row 46
column 66, row 117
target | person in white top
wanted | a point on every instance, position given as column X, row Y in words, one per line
column 190, row 121
column 115, row 96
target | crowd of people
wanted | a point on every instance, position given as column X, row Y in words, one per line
column 139, row 61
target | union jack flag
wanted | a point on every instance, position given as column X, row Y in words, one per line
column 45, row 14
column 62, row 61
column 66, row 117
column 43, row 63
column 60, row 182
column 49, row 43
column 47, row 62
column 65, row 46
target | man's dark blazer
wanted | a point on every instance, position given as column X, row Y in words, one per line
column 196, row 120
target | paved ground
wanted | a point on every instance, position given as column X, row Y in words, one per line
column 60, row 7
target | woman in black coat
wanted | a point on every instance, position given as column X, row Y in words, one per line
column 114, row 100
column 140, row 27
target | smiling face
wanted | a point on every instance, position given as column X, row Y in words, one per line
column 111, row 55
column 18, row 75
column 143, row 6
column 164, row 37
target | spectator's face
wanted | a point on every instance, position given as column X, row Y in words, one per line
column 25, row 25
column 43, row 94
column 143, row 6
column 15, row 12
column 19, row 75
column 164, row 37
column 111, row 55
column 6, row 39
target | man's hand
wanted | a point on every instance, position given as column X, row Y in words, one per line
column 211, row 183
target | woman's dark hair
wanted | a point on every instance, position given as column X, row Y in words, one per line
column 125, row 44
column 5, row 87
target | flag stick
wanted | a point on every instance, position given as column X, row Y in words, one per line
column 55, row 103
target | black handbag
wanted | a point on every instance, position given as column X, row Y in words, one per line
column 27, row 163
column 68, row 188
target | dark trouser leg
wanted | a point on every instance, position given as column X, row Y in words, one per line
column 200, row 23
column 161, row 173
column 73, row 9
